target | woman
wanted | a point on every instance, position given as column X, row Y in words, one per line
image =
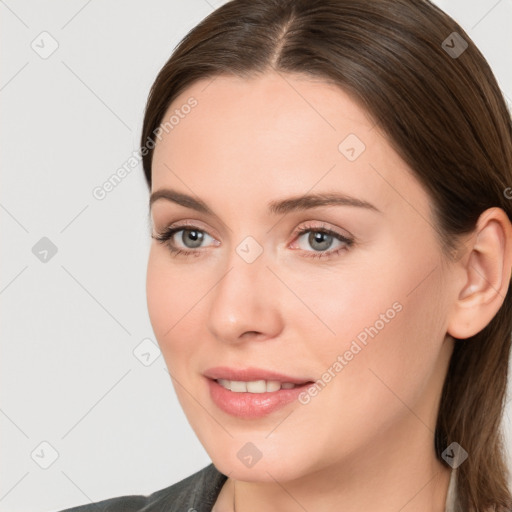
column 329, row 276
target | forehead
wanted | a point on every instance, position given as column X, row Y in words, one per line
column 270, row 111
column 278, row 135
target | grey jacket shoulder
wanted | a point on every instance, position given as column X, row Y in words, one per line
column 196, row 493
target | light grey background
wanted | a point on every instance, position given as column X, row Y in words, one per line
column 69, row 376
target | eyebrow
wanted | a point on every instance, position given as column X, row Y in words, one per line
column 280, row 207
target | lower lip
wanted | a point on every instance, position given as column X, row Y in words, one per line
column 252, row 405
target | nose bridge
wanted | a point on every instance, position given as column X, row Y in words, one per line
column 241, row 300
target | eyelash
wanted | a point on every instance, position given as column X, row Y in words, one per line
column 165, row 239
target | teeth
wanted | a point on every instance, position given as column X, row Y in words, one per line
column 254, row 386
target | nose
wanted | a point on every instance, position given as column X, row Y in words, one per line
column 244, row 304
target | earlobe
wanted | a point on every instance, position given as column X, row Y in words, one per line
column 487, row 274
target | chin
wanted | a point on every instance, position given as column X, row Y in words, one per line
column 235, row 461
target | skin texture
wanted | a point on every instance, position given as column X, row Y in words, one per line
column 366, row 439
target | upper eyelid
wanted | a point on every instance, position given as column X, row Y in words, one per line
column 178, row 226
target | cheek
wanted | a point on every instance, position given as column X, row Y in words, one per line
column 160, row 299
column 403, row 337
column 380, row 380
column 170, row 300
column 382, row 324
column 338, row 308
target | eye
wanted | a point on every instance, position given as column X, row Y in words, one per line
column 318, row 240
column 184, row 239
column 191, row 238
column 323, row 241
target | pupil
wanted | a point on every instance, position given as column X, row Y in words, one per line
column 323, row 239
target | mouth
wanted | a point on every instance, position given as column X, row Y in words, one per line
column 253, row 380
column 252, row 393
column 256, row 386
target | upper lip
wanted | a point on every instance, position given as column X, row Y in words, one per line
column 250, row 374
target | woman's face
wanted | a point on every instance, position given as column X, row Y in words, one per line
column 311, row 254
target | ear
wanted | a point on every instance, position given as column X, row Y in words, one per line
column 486, row 275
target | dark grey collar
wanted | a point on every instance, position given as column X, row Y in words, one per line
column 197, row 492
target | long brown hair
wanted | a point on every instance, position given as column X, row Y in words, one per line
column 434, row 96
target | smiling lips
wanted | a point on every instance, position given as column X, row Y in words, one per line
column 252, row 392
